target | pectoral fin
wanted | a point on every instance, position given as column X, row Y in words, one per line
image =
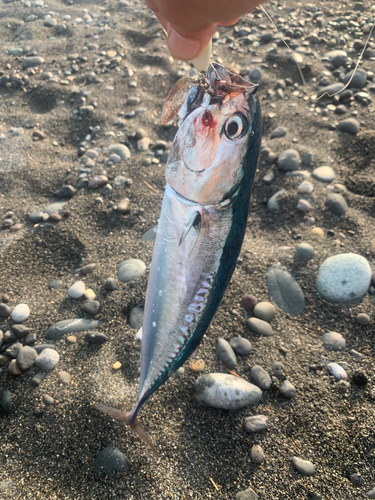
column 193, row 222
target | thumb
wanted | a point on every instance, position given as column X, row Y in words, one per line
column 185, row 45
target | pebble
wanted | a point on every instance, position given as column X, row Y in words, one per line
column 37, row 379
column 225, row 353
column 39, row 348
column 303, row 252
column 143, row 144
column 76, row 325
column 111, row 284
column 5, row 402
column 278, row 132
column 303, row 466
column 87, row 269
column 288, row 160
column 360, row 378
column 278, row 369
column 265, row 311
column 362, row 319
column 317, row 233
column 119, row 181
column 123, row 206
column 13, row 368
column 337, row 371
column 97, row 338
column 71, row 339
column 64, row 377
column 5, row 311
column 110, row 460
column 260, row 327
column 248, row 302
column 371, row 493
column 66, row 191
column 334, row 341
column 257, row 454
column 336, row 204
column 91, row 307
column 47, row 359
column 287, row 389
column 324, row 174
column 32, row 61
column 116, row 365
column 36, row 217
column 330, row 90
column 77, row 290
column 255, row 75
column 119, row 149
column 197, row 366
column 20, row 313
column 356, row 479
column 350, row 126
column 226, row 392
column 48, row 400
column 130, row 269
column 5, row 298
column 150, row 235
column 261, row 377
column 272, row 203
column 54, row 208
column 107, row 190
column 357, row 78
column 285, row 291
column 97, row 182
column 343, row 277
column 30, row 339
column 136, row 317
column 256, row 423
column 26, row 357
column 240, row 346
column 305, row 187
column 248, row 494
column 89, row 294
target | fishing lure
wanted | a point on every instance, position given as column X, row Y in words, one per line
column 209, row 176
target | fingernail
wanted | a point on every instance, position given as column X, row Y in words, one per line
column 181, row 47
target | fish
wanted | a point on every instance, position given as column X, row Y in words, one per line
column 209, row 178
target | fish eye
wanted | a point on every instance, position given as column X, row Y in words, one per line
column 235, row 127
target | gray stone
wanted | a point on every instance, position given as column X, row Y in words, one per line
column 336, row 204
column 343, row 277
column 278, row 369
column 240, row 346
column 77, row 290
column 356, row 479
column 330, row 90
column 261, row 377
column 260, row 327
column 288, row 160
column 257, row 454
column 37, row 379
column 272, row 203
column 90, row 307
column 303, row 466
column 287, row 389
column 150, row 235
column 5, row 311
column 338, row 56
column 64, row 377
column 111, row 284
column 39, row 348
column 13, row 350
column 130, row 269
column 225, row 353
column 248, row 494
column 36, row 217
column 32, row 61
column 256, row 423
column 265, row 311
column 47, row 359
column 226, row 392
column 21, row 331
column 363, row 319
column 303, row 252
column 357, row 78
column 107, row 190
column 97, row 338
column 350, row 126
column 136, row 318
column 278, row 132
column 303, row 205
column 324, row 174
column 26, row 357
column 285, row 291
column 5, row 402
column 255, row 75
column 50, row 23
column 66, row 191
column 76, row 325
column 371, row 493
column 54, row 208
column 334, row 341
column 97, row 182
column 87, row 269
column 121, row 150
column 110, row 460
column 20, row 313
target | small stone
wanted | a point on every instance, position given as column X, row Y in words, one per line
column 13, row 350
column 256, row 423
column 48, row 400
column 3, row 360
column 87, row 269
column 324, row 174
column 67, row 191
column 362, row 319
column 180, row 372
column 116, row 365
column 240, row 346
column 303, row 466
column 13, row 368
column 21, row 331
column 5, row 402
column 143, row 144
column 150, row 235
column 39, row 348
column 278, row 369
column 30, row 339
column 350, row 126
column 77, row 290
column 289, row 160
column 272, row 203
column 371, row 493
column 5, row 298
column 260, row 327
column 91, row 307
column 306, row 187
column 36, row 217
column 317, row 233
column 97, row 182
column 303, row 253
column 287, row 389
column 130, row 269
column 54, row 218
column 97, row 338
column 357, row 479
column 89, row 294
column 334, row 341
column 265, row 311
column 37, row 379
column 123, row 206
column 255, row 75
column 111, row 284
column 110, row 460
column 278, row 132
column 360, row 378
column 136, row 317
column 261, row 377
column 257, row 454
column 119, row 149
column 337, row 371
column 5, row 311
column 47, row 359
column 55, row 284
column 357, row 78
column 32, row 61
column 226, row 354
column 20, row 313
column 71, row 339
column 248, row 302
column 76, row 325
column 285, row 291
column 248, row 494
column 26, row 357
column 64, row 377
column 336, row 204
column 50, row 23
column 107, row 190
column 197, row 366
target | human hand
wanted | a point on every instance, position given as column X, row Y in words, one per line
column 190, row 24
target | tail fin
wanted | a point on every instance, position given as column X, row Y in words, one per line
column 135, row 426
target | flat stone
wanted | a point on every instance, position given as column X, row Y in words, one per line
column 336, row 204
column 225, row 353
column 343, row 278
column 256, row 423
column 303, row 252
column 257, row 454
column 324, row 174
column 66, row 191
column 87, row 269
column 224, row 391
column 109, row 461
column 130, row 269
column 97, row 182
column 91, row 307
column 54, row 208
column 150, row 235
column 240, row 346
column 64, row 377
column 119, row 149
column 260, row 327
column 50, row 23
column 32, row 61
column 26, row 357
column 248, row 494
column 333, row 341
column 47, row 359
column 76, row 325
column 136, row 317
column 330, row 90
column 97, row 338
column 357, row 78
column 289, row 160
column 278, row 132
column 111, row 284
column 77, row 290
column 48, row 400
column 287, row 389
column 303, row 466
column 285, row 291
column 197, row 366
column 261, row 377
column 350, row 126
column 265, row 311
column 39, row 348
column 37, row 379
column 36, row 217
column 20, row 313
column 337, row 371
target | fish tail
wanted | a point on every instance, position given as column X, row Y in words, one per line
column 129, row 419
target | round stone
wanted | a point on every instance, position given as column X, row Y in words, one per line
column 20, row 313
column 257, row 454
column 289, row 160
column 110, row 460
column 278, row 369
column 350, row 126
column 226, row 392
column 324, row 174
column 357, row 78
column 278, row 132
column 265, row 311
column 255, row 75
column 5, row 311
column 317, row 233
column 197, row 366
column 261, row 377
column 285, row 291
column 26, row 357
column 334, row 341
column 225, row 353
column 116, row 366
column 77, row 290
column 303, row 252
column 91, row 307
column 248, row 302
column 64, row 377
column 111, row 284
column 303, row 466
column 97, row 182
column 240, row 346
column 123, row 206
column 36, row 217
column 343, row 277
column 256, row 423
column 303, row 205
column 260, row 327
column 287, row 389
column 130, row 269
column 47, row 359
column 336, row 204
column 136, row 317
column 362, row 319
column 97, row 338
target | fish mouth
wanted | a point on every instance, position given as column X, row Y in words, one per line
column 193, row 171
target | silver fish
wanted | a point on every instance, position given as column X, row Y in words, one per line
column 209, row 175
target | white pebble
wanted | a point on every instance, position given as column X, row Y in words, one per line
column 47, row 359
column 77, row 290
column 20, row 313
column 337, row 371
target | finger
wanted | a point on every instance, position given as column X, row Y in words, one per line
column 188, row 46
